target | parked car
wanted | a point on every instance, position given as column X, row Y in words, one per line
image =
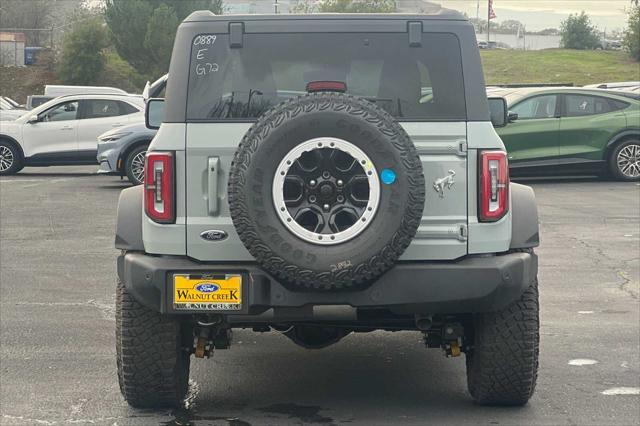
column 629, row 86
column 572, row 131
column 9, row 110
column 326, row 196
column 34, row 101
column 64, row 130
column 13, row 103
column 55, row 90
column 121, row 151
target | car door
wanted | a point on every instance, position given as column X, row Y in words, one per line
column 587, row 123
column 53, row 138
column 98, row 116
column 532, row 140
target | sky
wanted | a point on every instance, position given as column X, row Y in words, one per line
column 541, row 14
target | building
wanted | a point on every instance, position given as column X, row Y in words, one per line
column 12, row 49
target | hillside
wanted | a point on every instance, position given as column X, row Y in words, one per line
column 500, row 66
column 579, row 67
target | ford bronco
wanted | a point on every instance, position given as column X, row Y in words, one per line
column 323, row 175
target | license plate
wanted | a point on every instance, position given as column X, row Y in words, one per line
column 200, row 292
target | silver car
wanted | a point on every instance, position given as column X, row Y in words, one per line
column 121, row 151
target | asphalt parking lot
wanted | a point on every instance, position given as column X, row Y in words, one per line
column 57, row 360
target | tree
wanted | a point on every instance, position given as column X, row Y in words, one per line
column 345, row 6
column 357, row 6
column 631, row 39
column 143, row 31
column 161, row 30
column 510, row 26
column 35, row 18
column 82, row 60
column 577, row 32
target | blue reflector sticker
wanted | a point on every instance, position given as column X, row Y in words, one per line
column 387, row 176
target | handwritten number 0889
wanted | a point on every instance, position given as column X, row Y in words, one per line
column 204, row 39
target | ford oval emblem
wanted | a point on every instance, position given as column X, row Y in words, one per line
column 207, row 287
column 213, row 235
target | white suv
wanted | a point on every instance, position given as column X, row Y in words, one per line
column 64, row 130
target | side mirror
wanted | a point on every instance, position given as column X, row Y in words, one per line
column 512, row 116
column 499, row 112
column 154, row 113
column 33, row 119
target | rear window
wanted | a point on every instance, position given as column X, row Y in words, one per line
column 411, row 83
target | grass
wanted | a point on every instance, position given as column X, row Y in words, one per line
column 579, row 67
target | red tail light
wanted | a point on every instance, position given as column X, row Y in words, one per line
column 159, row 193
column 494, row 186
column 326, row 86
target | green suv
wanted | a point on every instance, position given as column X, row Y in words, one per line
column 572, row 131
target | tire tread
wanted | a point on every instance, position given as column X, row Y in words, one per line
column 153, row 369
column 502, row 368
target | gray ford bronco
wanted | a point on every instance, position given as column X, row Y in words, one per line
column 323, row 175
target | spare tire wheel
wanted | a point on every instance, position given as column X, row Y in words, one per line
column 326, row 191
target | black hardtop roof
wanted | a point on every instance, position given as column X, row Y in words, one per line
column 437, row 14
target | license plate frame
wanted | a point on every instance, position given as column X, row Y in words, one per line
column 207, row 292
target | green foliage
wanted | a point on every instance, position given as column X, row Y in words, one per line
column 345, row 6
column 304, row 7
column 579, row 67
column 631, row 40
column 118, row 73
column 143, row 31
column 161, row 30
column 577, row 32
column 82, row 60
column 357, row 6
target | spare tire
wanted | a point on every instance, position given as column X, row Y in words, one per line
column 326, row 191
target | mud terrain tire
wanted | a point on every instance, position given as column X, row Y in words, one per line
column 153, row 367
column 502, row 367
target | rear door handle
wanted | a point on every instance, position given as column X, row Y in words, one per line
column 117, row 125
column 212, row 183
column 66, row 128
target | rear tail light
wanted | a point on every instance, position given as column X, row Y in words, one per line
column 494, row 186
column 159, row 187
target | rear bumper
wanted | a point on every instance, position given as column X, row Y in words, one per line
column 471, row 284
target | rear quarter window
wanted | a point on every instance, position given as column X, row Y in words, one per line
column 411, row 83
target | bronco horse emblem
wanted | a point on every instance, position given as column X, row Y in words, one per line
column 446, row 182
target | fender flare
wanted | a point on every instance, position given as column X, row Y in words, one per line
column 124, row 152
column 524, row 217
column 129, row 220
column 622, row 135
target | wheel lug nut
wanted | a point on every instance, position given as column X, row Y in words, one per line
column 339, row 182
column 326, row 207
column 312, row 199
column 312, row 182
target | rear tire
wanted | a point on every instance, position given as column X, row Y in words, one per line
column 134, row 165
column 502, row 367
column 10, row 158
column 624, row 162
column 153, row 366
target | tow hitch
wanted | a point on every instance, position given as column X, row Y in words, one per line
column 448, row 336
column 209, row 335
